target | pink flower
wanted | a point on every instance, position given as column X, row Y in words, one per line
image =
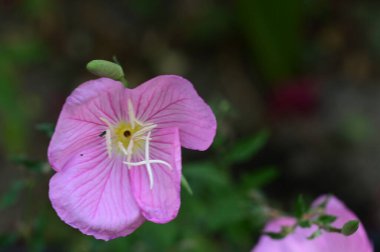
column 327, row 242
column 117, row 153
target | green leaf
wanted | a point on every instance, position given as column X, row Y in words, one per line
column 323, row 204
column 326, row 219
column 315, row 234
column 276, row 236
column 304, row 223
column 261, row 177
column 206, row 173
column 32, row 165
column 104, row 68
column 47, row 128
column 234, row 211
column 285, row 230
column 300, row 207
column 350, row 227
column 248, row 147
column 186, row 184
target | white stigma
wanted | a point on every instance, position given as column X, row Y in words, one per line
column 143, row 134
column 147, row 162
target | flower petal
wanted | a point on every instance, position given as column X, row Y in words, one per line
column 160, row 203
column 171, row 101
column 357, row 242
column 327, row 242
column 79, row 123
column 94, row 196
column 91, row 89
column 295, row 242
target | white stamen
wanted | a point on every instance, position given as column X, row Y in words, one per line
column 129, row 149
column 142, row 138
column 145, row 129
column 109, row 142
column 108, row 135
column 139, row 135
column 106, row 122
column 131, row 114
column 139, row 138
column 121, row 146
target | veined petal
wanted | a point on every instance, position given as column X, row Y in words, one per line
column 161, row 202
column 91, row 89
column 171, row 101
column 94, row 196
column 73, row 138
column 79, row 123
column 327, row 242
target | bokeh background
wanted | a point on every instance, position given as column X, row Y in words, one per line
column 295, row 86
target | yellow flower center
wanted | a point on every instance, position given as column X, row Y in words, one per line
column 127, row 137
column 124, row 133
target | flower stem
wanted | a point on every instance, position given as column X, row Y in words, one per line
column 124, row 81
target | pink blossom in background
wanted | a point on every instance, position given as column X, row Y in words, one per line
column 326, row 242
column 294, row 98
column 117, row 153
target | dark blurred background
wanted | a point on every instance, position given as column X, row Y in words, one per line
column 295, row 86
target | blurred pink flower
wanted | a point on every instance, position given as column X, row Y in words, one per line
column 295, row 98
column 117, row 153
column 326, row 242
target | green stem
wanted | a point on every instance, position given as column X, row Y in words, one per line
column 124, row 81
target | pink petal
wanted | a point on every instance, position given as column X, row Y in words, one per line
column 327, row 242
column 93, row 195
column 161, row 203
column 79, row 123
column 296, row 242
column 171, row 101
column 356, row 242
column 91, row 89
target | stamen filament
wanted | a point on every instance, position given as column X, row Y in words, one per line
column 147, row 162
column 106, row 122
column 144, row 130
column 121, row 146
column 131, row 114
column 129, row 149
column 148, row 167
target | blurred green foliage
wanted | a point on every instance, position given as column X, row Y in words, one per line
column 273, row 30
column 228, row 206
column 222, row 214
column 16, row 52
column 10, row 197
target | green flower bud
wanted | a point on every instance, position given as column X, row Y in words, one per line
column 103, row 68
